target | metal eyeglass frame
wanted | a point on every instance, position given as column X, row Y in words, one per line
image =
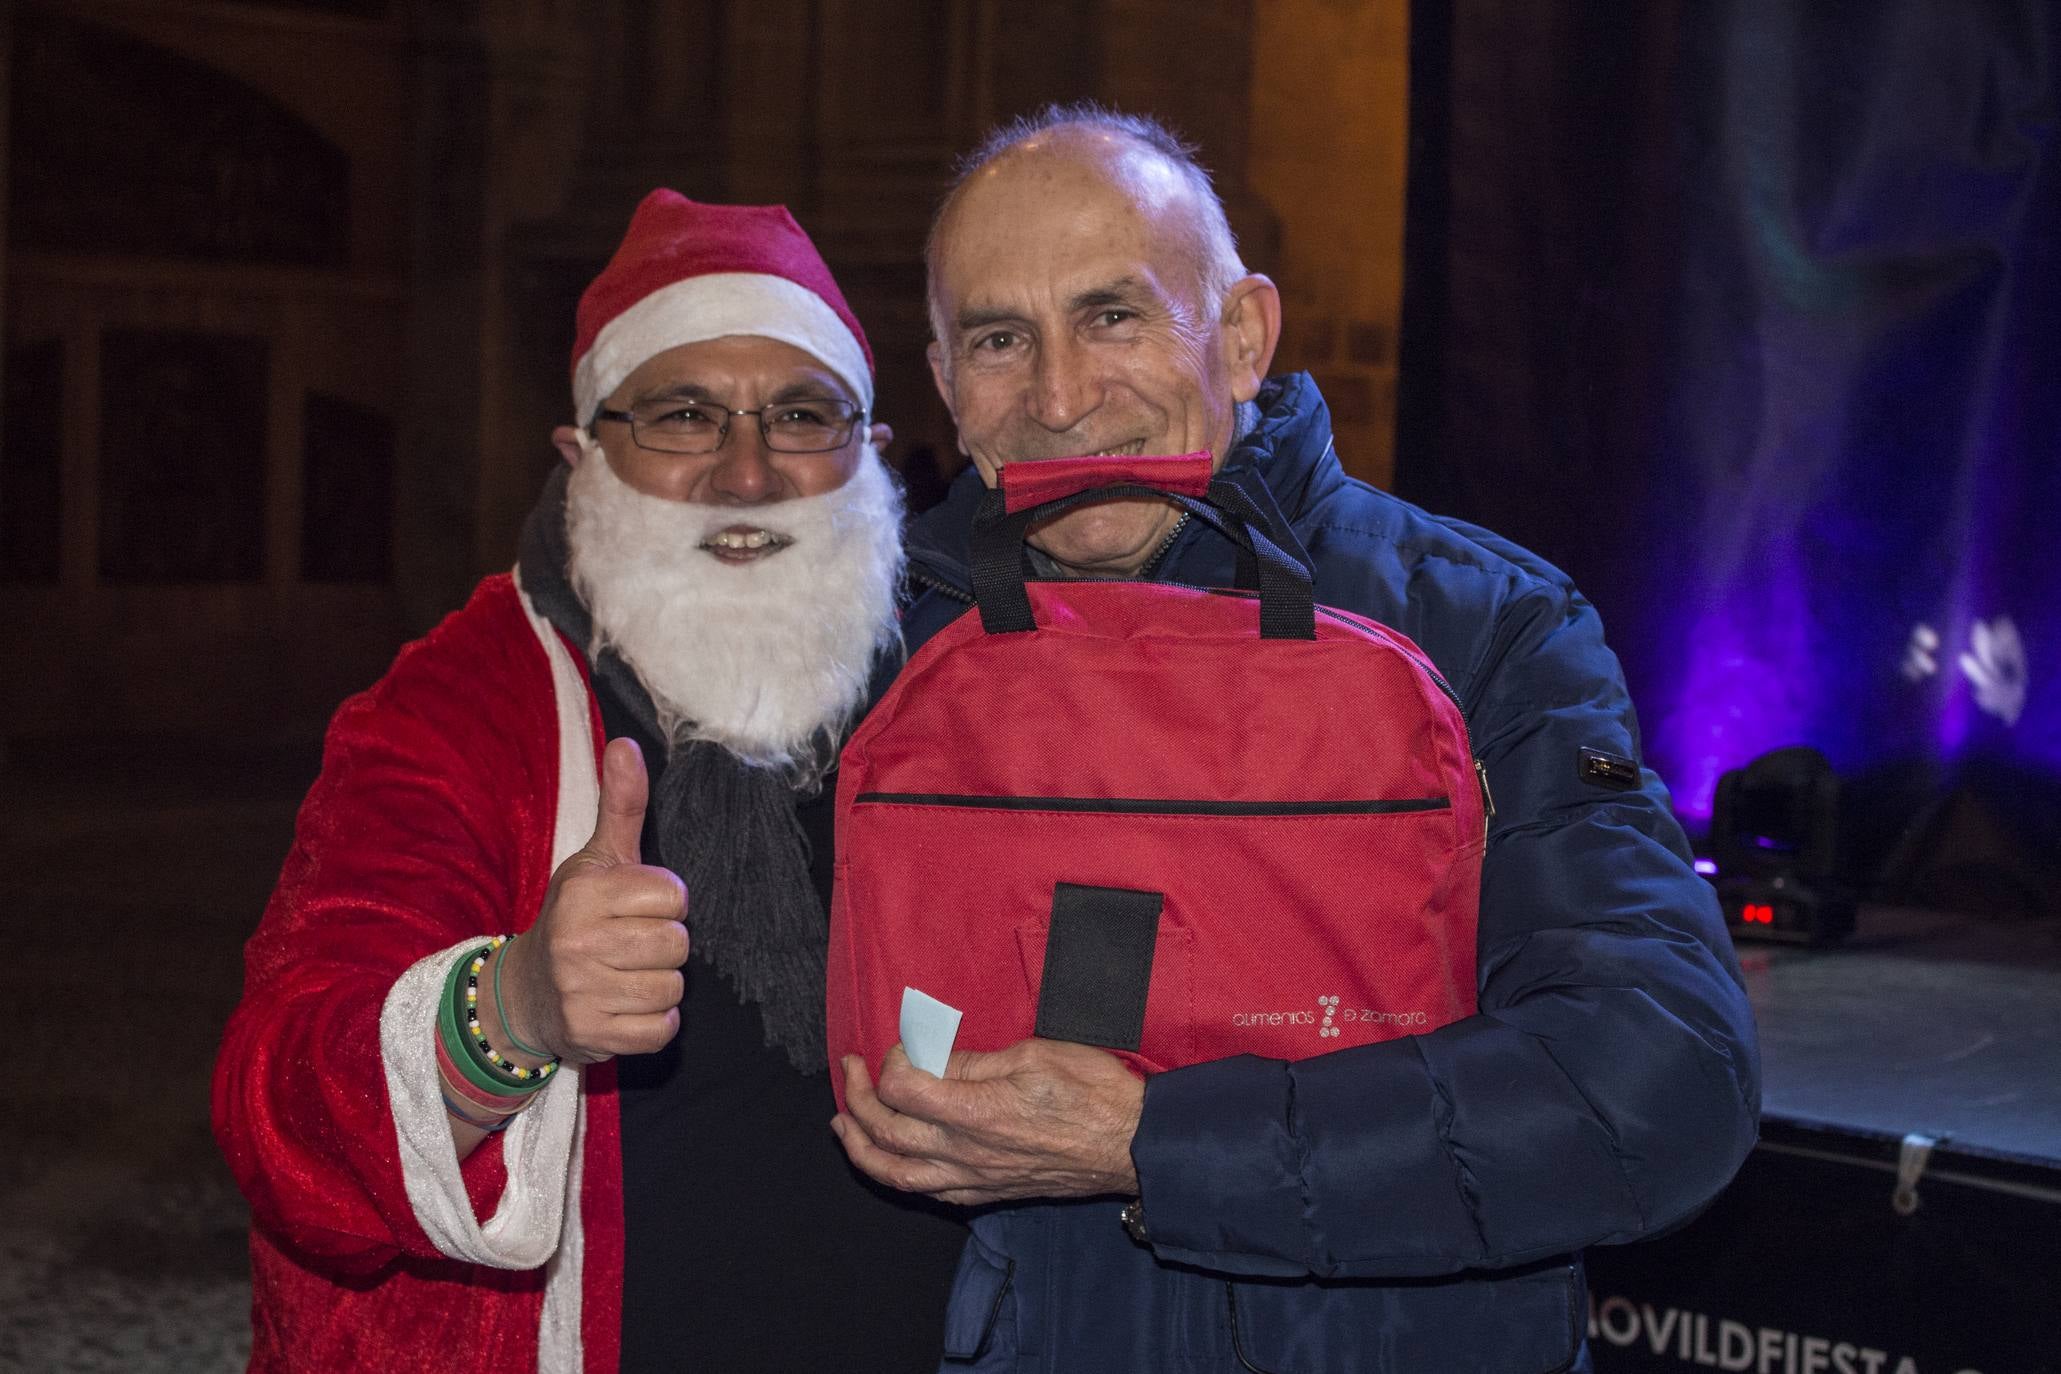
column 860, row 417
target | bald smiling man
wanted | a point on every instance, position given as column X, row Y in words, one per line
column 1415, row 1205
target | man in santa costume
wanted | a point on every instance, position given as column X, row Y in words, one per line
column 601, row 1145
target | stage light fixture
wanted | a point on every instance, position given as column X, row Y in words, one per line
column 1774, row 841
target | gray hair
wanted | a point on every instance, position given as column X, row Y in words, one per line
column 1217, row 245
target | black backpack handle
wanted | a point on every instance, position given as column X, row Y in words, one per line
column 1270, row 558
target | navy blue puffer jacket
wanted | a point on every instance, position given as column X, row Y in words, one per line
column 1418, row 1205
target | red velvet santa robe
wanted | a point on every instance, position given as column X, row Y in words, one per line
column 449, row 792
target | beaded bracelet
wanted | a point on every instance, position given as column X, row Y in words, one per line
column 476, row 1059
column 523, row 1073
column 457, row 1049
column 501, row 1010
column 469, row 1051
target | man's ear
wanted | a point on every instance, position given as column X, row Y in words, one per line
column 941, row 379
column 1251, row 329
column 566, row 440
column 881, row 436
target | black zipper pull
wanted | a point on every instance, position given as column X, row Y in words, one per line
column 1488, row 798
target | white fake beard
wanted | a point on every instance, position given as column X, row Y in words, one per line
column 771, row 658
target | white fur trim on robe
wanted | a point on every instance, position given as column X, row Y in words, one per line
column 579, row 797
column 523, row 1232
column 559, row 1347
column 537, row 1221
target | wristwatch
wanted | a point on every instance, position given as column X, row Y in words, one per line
column 1133, row 1218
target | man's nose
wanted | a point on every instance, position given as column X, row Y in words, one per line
column 744, row 473
column 1067, row 386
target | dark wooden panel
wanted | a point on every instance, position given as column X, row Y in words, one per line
column 1044, row 53
column 182, row 457
column 122, row 147
column 347, row 491
column 31, row 454
column 886, row 75
column 354, row 9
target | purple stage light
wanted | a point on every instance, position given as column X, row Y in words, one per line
column 1749, row 688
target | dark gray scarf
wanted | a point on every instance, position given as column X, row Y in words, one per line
column 727, row 828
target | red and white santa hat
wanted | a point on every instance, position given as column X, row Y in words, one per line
column 687, row 272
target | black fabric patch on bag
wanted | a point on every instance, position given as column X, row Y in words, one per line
column 1098, row 965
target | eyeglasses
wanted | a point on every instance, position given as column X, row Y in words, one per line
column 814, row 425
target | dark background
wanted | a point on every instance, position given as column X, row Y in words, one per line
column 1744, row 314
column 1749, row 317
column 289, row 286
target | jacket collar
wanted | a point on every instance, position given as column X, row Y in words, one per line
column 1290, row 447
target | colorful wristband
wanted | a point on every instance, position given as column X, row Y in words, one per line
column 465, row 1056
column 501, row 1010
column 456, row 1083
column 491, row 1127
column 528, row 1078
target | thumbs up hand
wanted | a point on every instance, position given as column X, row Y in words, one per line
column 599, row 972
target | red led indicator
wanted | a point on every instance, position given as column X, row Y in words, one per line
column 1757, row 913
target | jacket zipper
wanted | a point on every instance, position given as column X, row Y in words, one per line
column 935, row 583
column 1151, row 565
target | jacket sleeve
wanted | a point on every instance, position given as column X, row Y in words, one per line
column 1607, row 1087
column 420, row 836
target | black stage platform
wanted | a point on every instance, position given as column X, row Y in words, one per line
column 1902, row 1214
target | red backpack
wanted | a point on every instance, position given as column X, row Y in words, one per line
column 1176, row 822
